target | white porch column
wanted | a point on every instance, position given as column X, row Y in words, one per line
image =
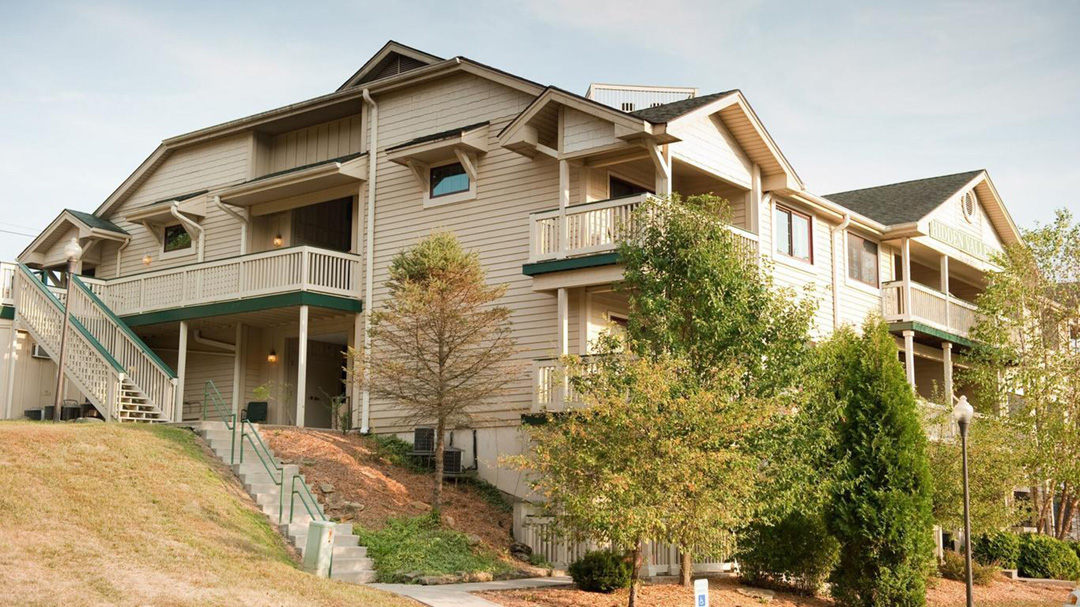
column 946, row 355
column 909, row 356
column 181, row 373
column 905, row 257
column 301, row 367
column 662, row 165
column 356, row 396
column 564, row 201
column 564, row 322
column 13, row 358
column 944, row 271
column 238, row 371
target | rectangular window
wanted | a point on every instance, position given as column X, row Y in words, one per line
column 176, row 239
column 862, row 260
column 793, row 235
column 448, row 179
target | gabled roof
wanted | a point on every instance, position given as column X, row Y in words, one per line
column 437, row 136
column 87, row 225
column 904, row 202
column 392, row 59
column 670, row 111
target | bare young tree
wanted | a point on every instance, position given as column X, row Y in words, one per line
column 440, row 347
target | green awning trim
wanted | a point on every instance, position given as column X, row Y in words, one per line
column 573, row 263
column 7, row 313
column 919, row 327
column 239, row 306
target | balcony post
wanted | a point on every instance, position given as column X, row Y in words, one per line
column 564, row 339
column 13, row 358
column 946, row 354
column 301, row 367
column 944, row 271
column 905, row 257
column 564, row 201
column 238, row 370
column 181, row 373
column 909, row 355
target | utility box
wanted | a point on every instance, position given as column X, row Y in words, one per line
column 319, row 551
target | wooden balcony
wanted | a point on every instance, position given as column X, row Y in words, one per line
column 928, row 306
column 596, row 228
column 296, row 269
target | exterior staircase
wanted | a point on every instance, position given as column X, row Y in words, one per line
column 280, row 491
column 122, row 377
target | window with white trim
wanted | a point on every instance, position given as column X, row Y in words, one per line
column 448, row 179
column 794, row 234
column 862, row 260
column 175, row 239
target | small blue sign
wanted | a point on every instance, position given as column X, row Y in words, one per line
column 701, row 593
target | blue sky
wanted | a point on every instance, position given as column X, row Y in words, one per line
column 856, row 94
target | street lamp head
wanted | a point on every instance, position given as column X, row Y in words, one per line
column 963, row 412
column 72, row 250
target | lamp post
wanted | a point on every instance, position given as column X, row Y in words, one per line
column 963, row 413
column 72, row 251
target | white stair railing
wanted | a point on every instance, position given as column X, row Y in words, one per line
column 144, row 370
column 93, row 370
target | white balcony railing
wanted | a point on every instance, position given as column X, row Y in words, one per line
column 7, row 283
column 267, row 273
column 597, row 227
column 928, row 306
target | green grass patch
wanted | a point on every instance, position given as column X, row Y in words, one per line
column 396, row 451
column 407, row 547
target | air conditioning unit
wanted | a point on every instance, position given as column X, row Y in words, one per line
column 424, row 440
column 452, row 461
column 36, row 351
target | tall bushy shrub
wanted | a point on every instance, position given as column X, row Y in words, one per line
column 1000, row 548
column 796, row 553
column 880, row 510
column 1042, row 556
column 601, row 571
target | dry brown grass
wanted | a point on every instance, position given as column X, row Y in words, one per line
column 135, row 515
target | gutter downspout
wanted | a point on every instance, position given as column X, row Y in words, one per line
column 243, row 218
column 120, row 256
column 842, row 228
column 174, row 210
column 369, row 252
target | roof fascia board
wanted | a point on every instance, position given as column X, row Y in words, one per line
column 1010, row 232
column 759, row 128
column 838, row 211
column 120, row 193
column 627, row 126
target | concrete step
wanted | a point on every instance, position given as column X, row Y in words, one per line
column 342, row 530
column 208, row 424
column 350, row 552
column 354, row 577
column 351, row 564
column 299, row 538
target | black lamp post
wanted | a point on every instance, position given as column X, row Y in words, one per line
column 72, row 251
column 963, row 413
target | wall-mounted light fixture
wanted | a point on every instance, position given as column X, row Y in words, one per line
column 271, row 357
column 147, row 260
column 278, row 240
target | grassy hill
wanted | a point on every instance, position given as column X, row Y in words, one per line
column 140, row 515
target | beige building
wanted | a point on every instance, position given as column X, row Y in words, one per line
column 240, row 260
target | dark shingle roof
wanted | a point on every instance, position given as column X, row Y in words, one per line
column 437, row 136
column 180, row 198
column 96, row 222
column 903, row 202
column 670, row 111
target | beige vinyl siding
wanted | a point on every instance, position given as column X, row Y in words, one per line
column 509, row 187
column 979, row 227
column 582, row 131
column 600, row 305
column 859, row 300
column 806, row 279
column 202, row 366
column 316, row 143
column 35, row 378
column 706, row 143
column 203, row 167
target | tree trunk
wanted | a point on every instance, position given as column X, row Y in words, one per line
column 635, row 573
column 436, row 489
column 1069, row 508
column 1059, row 522
column 686, row 568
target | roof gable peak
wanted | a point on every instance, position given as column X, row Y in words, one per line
column 392, row 59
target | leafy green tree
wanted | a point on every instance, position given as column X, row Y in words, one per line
column 699, row 294
column 647, row 452
column 1028, row 338
column 881, row 508
column 441, row 345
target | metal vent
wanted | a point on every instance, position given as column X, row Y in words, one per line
column 424, row 440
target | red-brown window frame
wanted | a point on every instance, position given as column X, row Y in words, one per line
column 877, row 260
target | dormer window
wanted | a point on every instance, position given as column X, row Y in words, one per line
column 448, row 179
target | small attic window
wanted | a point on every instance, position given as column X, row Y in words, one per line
column 968, row 204
column 627, row 106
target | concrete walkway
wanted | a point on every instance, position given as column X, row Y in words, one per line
column 458, row 595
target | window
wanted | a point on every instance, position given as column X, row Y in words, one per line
column 448, row 179
column 968, row 204
column 176, row 239
column 793, row 236
column 618, row 188
column 862, row 260
column 627, row 106
column 326, row 225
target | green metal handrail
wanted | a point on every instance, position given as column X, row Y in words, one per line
column 211, row 393
column 279, row 480
column 317, row 514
